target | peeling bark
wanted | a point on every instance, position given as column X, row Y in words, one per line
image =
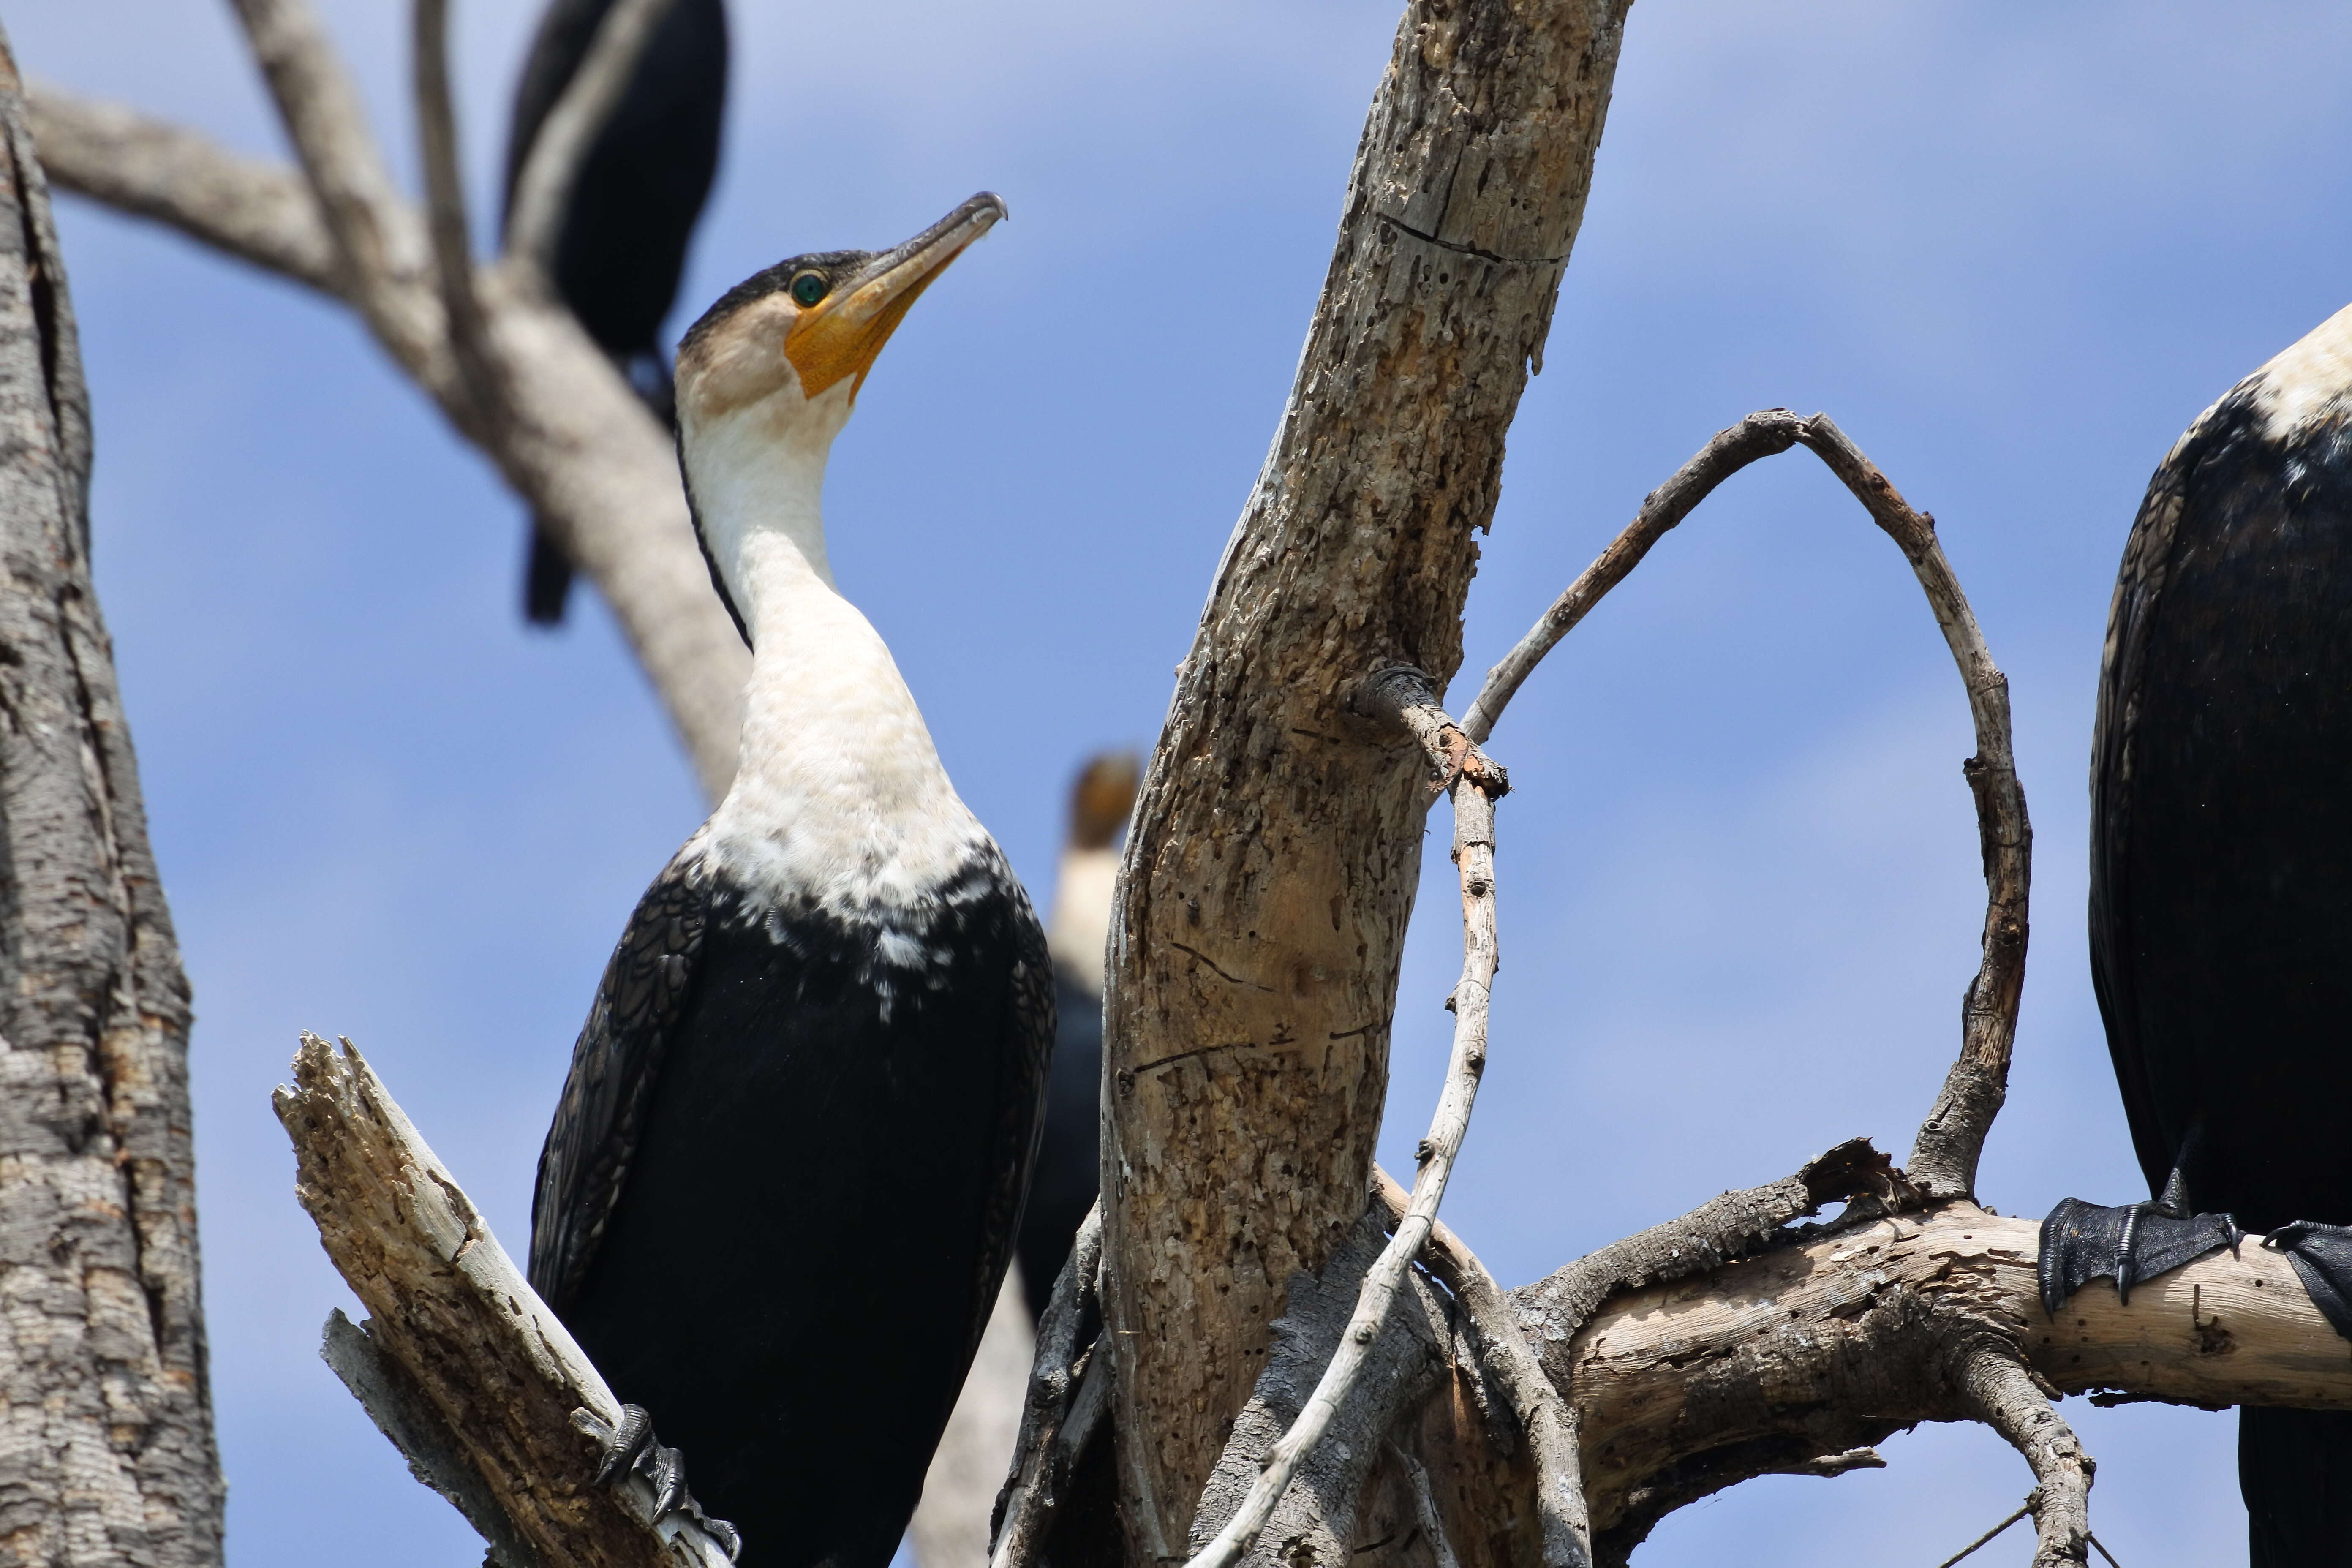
column 106, row 1440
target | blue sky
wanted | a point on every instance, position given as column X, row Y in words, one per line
column 2012, row 250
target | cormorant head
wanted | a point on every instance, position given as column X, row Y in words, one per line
column 765, row 382
column 792, row 344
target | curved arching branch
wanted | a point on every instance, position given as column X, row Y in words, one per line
column 1944, row 1157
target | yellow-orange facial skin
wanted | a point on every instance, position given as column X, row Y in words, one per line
column 841, row 334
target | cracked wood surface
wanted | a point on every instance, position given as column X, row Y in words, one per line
column 106, row 1440
column 1276, row 843
column 1763, row 1365
column 483, row 1371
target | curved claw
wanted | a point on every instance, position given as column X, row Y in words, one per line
column 665, row 1469
column 629, row 1442
column 2125, row 1263
column 730, row 1538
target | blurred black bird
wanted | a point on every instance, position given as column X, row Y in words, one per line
column 785, row 1175
column 2221, row 888
column 1064, row 1187
column 640, row 190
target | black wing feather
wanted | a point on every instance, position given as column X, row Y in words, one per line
column 2148, row 555
column 615, row 1063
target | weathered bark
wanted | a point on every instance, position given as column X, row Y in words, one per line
column 106, row 1440
column 461, row 1365
column 1272, row 864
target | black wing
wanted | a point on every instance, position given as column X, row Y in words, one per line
column 1028, row 1049
column 2148, row 556
column 615, row 1063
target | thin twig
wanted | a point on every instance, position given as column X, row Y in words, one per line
column 1040, row 1459
column 260, row 213
column 1507, row 1357
column 445, row 206
column 1475, row 783
column 1944, row 1158
column 543, row 191
column 1970, row 1550
column 2102, row 1551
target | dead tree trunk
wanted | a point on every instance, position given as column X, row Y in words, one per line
column 1271, row 866
column 106, row 1438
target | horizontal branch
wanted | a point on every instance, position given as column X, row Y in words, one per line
column 1771, row 1364
column 256, row 212
column 483, row 1377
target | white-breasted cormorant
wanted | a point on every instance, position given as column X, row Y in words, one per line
column 633, row 205
column 2221, row 887
column 785, row 1175
column 1064, row 1188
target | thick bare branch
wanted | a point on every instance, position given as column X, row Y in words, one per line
column 480, row 383
column 1276, row 848
column 1475, row 782
column 256, row 212
column 543, row 191
column 1943, row 1158
column 379, row 242
column 486, row 1366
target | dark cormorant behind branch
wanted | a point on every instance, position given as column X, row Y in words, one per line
column 2221, row 887
column 1080, row 928
column 633, row 206
column 784, row 1178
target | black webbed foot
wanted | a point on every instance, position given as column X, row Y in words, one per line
column 631, row 1446
column 2322, row 1256
column 2134, row 1242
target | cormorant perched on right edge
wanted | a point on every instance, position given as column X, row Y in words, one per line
column 2221, row 888
column 783, row 1180
column 633, row 205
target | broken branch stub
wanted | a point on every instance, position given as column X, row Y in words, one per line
column 486, row 1367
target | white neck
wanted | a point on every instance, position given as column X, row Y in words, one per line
column 2311, row 379
column 1080, row 931
column 839, row 797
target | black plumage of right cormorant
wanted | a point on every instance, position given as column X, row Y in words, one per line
column 783, row 1180
column 639, row 192
column 2220, row 907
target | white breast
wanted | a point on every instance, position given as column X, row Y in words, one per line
column 2311, row 380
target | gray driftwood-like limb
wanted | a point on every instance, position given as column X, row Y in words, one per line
column 1992, row 1377
column 543, row 191
column 565, row 430
column 1822, row 1345
column 445, row 213
column 480, row 1353
column 254, row 211
column 380, row 245
column 1511, row 1363
column 1276, row 848
column 106, row 1436
column 1424, row 1503
column 1311, row 1518
column 435, row 1458
column 1475, row 782
column 1040, row 1460
column 1944, row 1157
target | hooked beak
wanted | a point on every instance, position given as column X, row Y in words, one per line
column 842, row 333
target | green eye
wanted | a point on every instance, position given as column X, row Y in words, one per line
column 809, row 287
